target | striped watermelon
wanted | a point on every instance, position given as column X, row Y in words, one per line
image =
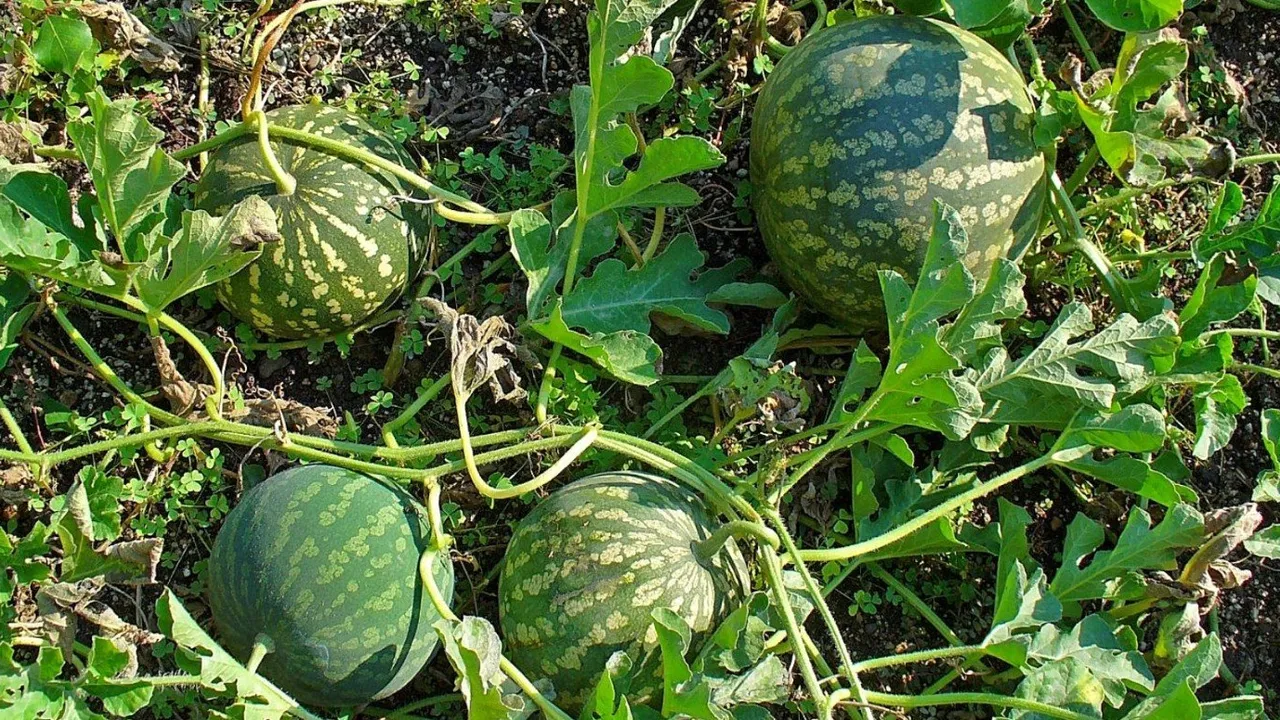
column 856, row 134
column 324, row 561
column 350, row 244
column 585, row 570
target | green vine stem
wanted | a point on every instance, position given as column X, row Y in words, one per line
column 975, row 698
column 915, row 601
column 772, row 568
column 426, row 567
column 286, row 184
column 1078, row 34
column 707, row 549
column 920, row 656
column 708, row 388
column 941, row 510
column 847, row 667
column 585, row 438
column 232, row 133
column 680, row 467
column 412, row 409
column 544, row 389
column 1081, row 173
column 1068, row 222
column 14, row 429
column 1257, row 369
column 477, row 214
column 1242, row 332
column 1123, row 196
column 1261, row 159
column 655, row 237
column 104, row 370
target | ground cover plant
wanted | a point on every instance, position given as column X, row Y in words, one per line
column 735, row 361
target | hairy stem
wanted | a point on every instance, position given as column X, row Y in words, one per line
column 707, row 549
column 847, row 666
column 426, row 566
column 1078, row 34
column 915, row 524
column 975, row 698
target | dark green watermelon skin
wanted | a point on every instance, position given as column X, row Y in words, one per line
column 861, row 129
column 586, row 568
column 350, row 244
column 324, row 561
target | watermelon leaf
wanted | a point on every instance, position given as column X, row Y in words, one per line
column 614, row 298
column 15, row 311
column 1120, row 357
column 131, row 175
column 609, row 328
column 630, row 356
column 1268, row 484
column 609, row 701
column 1139, row 547
column 1136, row 142
column 1136, row 15
column 29, row 246
column 1265, row 543
column 475, row 651
column 205, row 251
column 217, row 672
column 920, row 386
column 63, row 43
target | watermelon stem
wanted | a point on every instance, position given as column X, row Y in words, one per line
column 711, row 546
column 478, row 214
column 286, row 184
column 262, row 644
column 847, row 666
column 772, row 567
column 1260, row 159
column 235, row 131
column 975, row 698
column 982, row 489
column 1069, row 226
column 1078, row 34
column 425, row 396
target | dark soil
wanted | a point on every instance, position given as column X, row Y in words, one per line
column 501, row 93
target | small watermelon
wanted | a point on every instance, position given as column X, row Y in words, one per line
column 588, row 566
column 350, row 241
column 856, row 134
column 324, row 562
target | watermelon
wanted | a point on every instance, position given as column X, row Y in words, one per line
column 324, row 562
column 350, row 242
column 861, row 129
column 588, row 566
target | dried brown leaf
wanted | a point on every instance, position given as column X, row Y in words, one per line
column 114, row 27
column 482, row 352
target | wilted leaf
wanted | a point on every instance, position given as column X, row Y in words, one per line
column 116, row 28
column 1209, row 570
column 482, row 352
